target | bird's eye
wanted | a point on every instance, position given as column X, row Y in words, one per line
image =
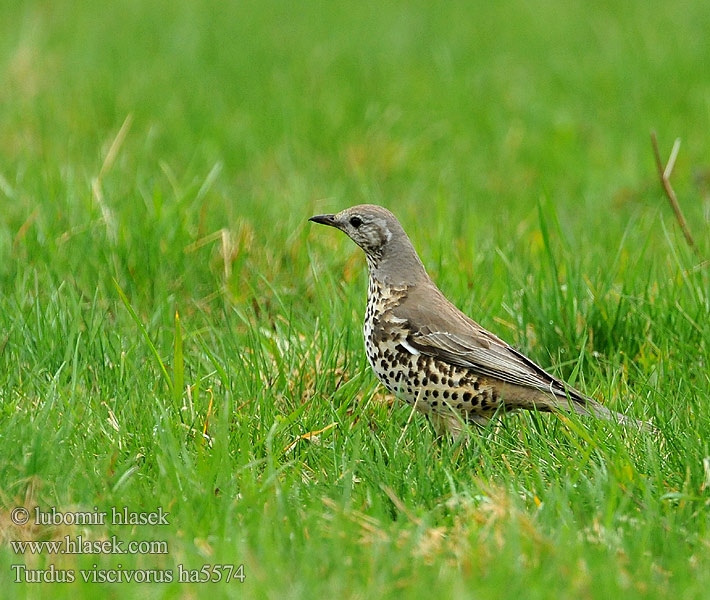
column 355, row 222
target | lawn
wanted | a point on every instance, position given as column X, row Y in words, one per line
column 179, row 345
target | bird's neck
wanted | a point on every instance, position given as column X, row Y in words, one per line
column 397, row 265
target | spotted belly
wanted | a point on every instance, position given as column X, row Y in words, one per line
column 430, row 385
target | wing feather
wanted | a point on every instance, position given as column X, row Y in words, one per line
column 488, row 356
column 437, row 328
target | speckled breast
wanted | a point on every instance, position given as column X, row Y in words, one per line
column 383, row 333
column 434, row 385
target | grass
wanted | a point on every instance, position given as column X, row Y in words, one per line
column 171, row 327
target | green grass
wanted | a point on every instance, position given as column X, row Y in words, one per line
column 161, row 158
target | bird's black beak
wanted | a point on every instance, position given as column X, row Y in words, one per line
column 324, row 220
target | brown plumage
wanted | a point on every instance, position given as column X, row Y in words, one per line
column 430, row 354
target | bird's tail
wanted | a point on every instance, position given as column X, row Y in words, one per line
column 588, row 407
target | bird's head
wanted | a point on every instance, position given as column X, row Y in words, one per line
column 371, row 227
column 377, row 231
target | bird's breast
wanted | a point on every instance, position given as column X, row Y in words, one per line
column 384, row 333
column 430, row 384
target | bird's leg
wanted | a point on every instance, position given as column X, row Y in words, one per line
column 447, row 425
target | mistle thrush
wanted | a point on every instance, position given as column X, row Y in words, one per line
column 427, row 352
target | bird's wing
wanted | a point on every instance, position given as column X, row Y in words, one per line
column 488, row 356
column 437, row 328
column 450, row 336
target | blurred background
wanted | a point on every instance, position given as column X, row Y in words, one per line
column 251, row 116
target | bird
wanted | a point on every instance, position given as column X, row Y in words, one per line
column 427, row 352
